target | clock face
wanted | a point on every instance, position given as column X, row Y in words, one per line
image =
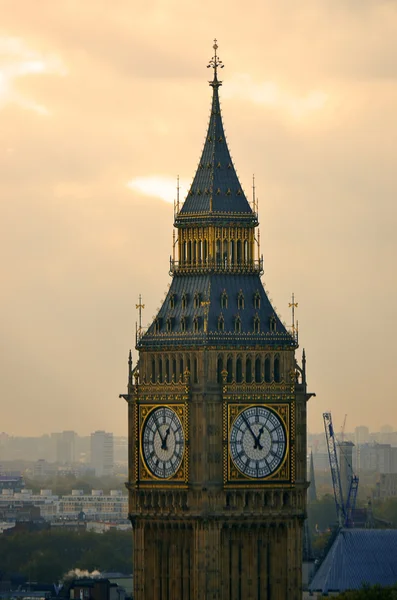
column 163, row 442
column 257, row 442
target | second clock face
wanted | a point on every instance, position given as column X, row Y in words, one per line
column 163, row 442
column 257, row 442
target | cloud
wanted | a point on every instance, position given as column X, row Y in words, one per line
column 157, row 186
column 269, row 93
column 17, row 60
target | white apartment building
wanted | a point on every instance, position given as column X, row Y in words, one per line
column 47, row 502
column 96, row 506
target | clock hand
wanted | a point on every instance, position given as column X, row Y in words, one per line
column 256, row 439
column 164, row 441
column 161, row 437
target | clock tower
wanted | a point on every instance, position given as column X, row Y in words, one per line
column 217, row 410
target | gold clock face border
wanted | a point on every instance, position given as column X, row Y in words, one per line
column 145, row 474
column 282, row 475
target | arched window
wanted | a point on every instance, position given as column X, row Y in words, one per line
column 184, row 300
column 224, row 299
column 218, row 252
column 246, row 251
column 277, row 369
column 240, row 300
column 153, row 376
column 184, row 252
column 160, row 376
column 257, row 300
column 172, row 301
column 232, row 252
column 183, row 324
column 167, row 370
column 221, row 323
column 196, row 301
column 229, row 369
column 237, row 324
column 169, row 324
column 195, row 370
column 239, row 370
column 248, row 370
column 267, row 369
column 239, row 252
column 196, row 324
column 219, row 369
column 225, row 244
column 272, row 324
column 188, row 365
column 189, row 252
column 157, row 325
column 258, row 374
column 257, row 324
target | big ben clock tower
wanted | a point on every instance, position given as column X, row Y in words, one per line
column 217, row 410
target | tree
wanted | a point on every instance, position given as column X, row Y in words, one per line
column 49, row 555
column 370, row 593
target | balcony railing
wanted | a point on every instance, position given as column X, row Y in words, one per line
column 217, row 265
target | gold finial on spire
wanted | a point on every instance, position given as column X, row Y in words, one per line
column 215, row 63
column 294, row 305
column 139, row 307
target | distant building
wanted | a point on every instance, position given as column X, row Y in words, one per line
column 43, row 469
column 95, row 589
column 11, row 504
column 102, row 453
column 379, row 458
column 65, row 447
column 346, row 466
column 387, row 486
column 95, row 506
column 12, row 482
column 362, row 435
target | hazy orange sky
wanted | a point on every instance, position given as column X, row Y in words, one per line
column 102, row 104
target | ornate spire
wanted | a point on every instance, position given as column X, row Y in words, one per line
column 215, row 63
column 312, row 494
column 216, row 192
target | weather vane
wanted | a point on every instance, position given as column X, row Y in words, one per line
column 215, row 63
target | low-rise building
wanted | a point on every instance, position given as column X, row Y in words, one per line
column 95, row 506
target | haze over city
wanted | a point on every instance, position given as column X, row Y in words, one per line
column 101, row 107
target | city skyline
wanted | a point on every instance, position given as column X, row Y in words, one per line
column 97, row 122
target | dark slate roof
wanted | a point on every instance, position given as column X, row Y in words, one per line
column 216, row 190
column 357, row 557
column 210, row 287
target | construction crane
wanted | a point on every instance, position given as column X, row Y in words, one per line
column 343, row 510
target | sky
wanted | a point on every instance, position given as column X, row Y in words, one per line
column 103, row 105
